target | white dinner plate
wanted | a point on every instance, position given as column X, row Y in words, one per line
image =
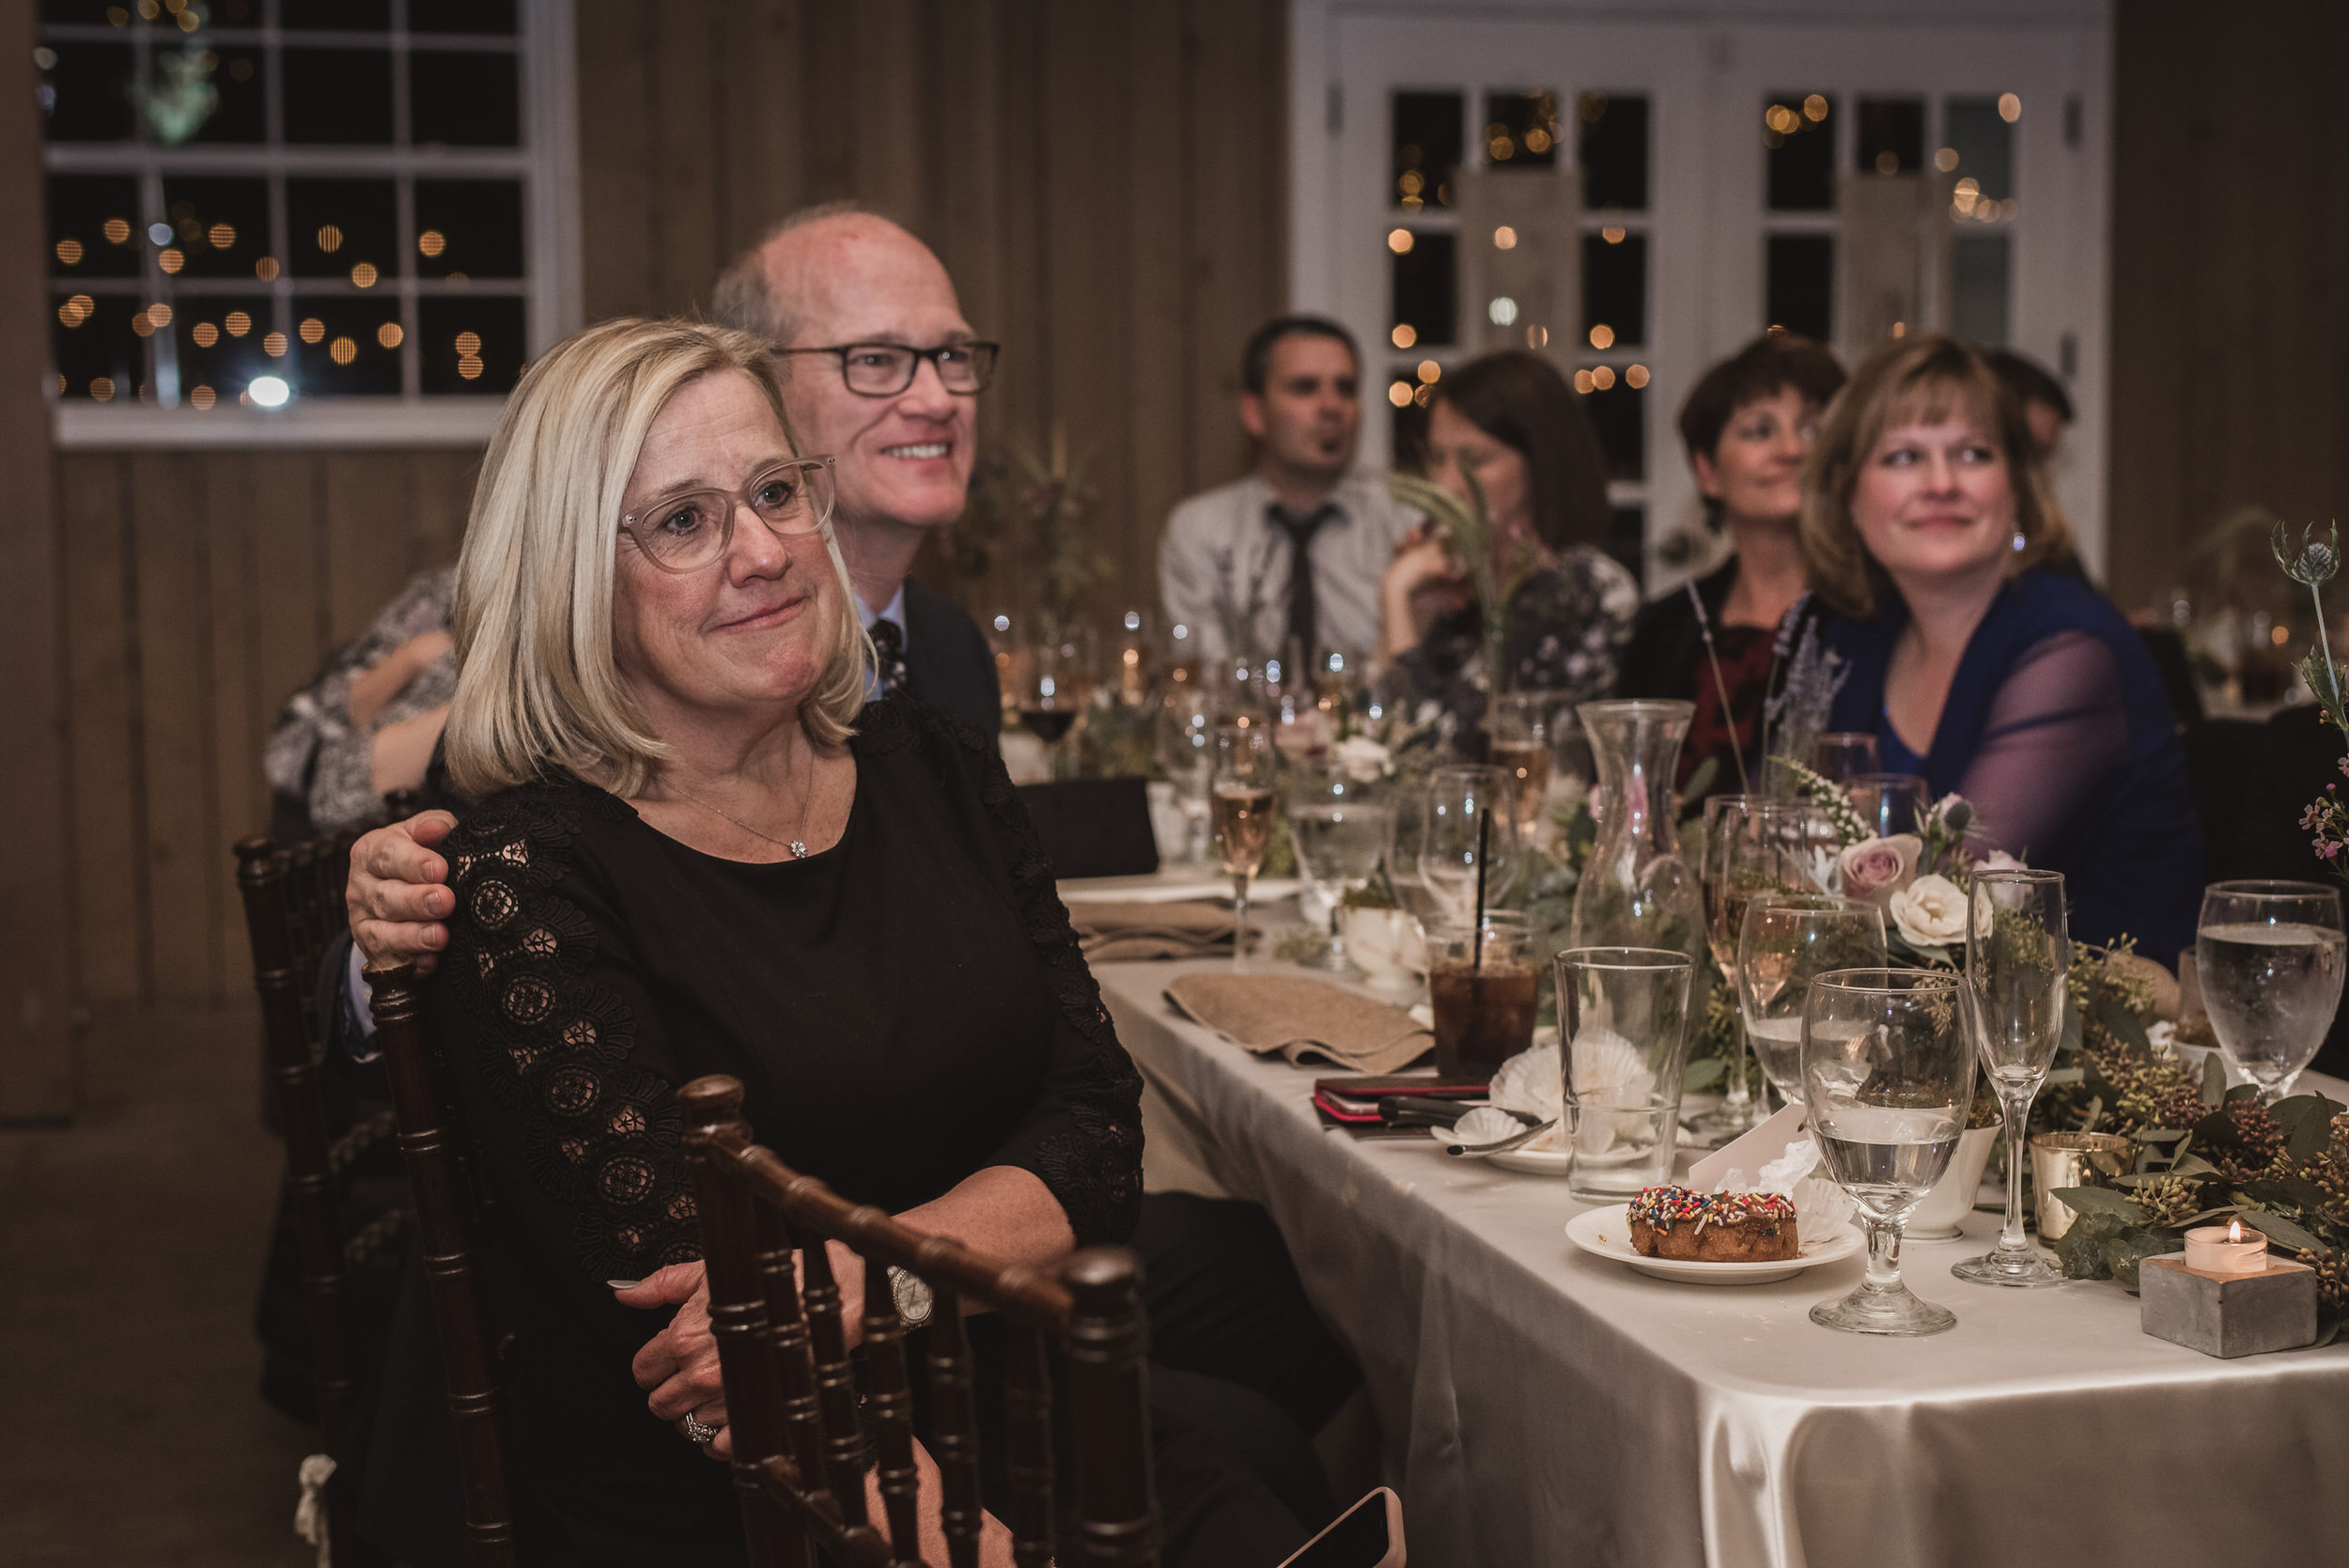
column 1606, row 1233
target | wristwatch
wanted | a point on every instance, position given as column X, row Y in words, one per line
column 913, row 1297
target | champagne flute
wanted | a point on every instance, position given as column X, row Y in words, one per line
column 1186, row 746
column 1518, row 724
column 1340, row 839
column 1752, row 845
column 1889, row 803
column 1887, row 1075
column 2269, row 956
column 2017, row 953
column 1787, row 937
column 1242, row 804
column 1449, row 839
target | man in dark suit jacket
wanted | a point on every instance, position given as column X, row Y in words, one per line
column 881, row 371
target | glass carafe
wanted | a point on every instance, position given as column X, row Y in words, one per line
column 1635, row 891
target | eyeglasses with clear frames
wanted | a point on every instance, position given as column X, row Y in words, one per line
column 687, row 531
column 886, row 369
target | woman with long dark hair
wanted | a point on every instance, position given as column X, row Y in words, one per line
column 1512, row 422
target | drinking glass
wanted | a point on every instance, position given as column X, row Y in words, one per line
column 1186, row 748
column 1484, row 986
column 2269, row 956
column 1752, row 845
column 1623, row 1015
column 1242, row 805
column 1518, row 726
column 1055, row 687
column 1889, row 804
column 2017, row 953
column 1786, row 939
column 1451, row 845
column 1340, row 839
column 1887, row 1075
column 1840, row 755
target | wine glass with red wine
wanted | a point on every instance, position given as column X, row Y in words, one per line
column 1053, row 693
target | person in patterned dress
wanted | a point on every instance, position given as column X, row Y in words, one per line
column 1510, row 419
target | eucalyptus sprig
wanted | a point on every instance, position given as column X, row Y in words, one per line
column 1476, row 539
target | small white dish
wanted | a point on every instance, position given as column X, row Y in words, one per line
column 1606, row 1233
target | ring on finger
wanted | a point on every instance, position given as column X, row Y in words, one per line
column 696, row 1432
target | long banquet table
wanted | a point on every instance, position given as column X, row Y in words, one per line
column 1542, row 1405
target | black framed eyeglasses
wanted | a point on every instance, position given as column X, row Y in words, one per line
column 886, row 369
column 685, row 531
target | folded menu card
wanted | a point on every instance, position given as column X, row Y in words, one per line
column 1301, row 1019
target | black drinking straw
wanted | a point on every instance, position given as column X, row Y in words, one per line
column 1484, row 857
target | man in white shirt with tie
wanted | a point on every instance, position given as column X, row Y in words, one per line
column 1229, row 561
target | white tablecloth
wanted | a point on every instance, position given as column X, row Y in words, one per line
column 1542, row 1405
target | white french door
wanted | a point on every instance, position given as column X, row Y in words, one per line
column 1638, row 199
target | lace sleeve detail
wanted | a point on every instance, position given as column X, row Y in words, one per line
column 556, row 1042
column 2058, row 728
column 1083, row 1138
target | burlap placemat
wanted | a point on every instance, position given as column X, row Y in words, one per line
column 1301, row 1018
column 1114, row 932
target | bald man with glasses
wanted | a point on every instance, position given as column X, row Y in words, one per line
column 883, row 372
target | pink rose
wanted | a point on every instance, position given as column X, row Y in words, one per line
column 1881, row 867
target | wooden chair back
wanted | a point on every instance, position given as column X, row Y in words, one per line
column 791, row 1393
column 447, row 1217
column 293, row 908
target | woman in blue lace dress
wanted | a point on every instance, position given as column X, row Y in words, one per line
column 698, row 850
column 1926, row 522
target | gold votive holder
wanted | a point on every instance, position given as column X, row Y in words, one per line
column 2061, row 1160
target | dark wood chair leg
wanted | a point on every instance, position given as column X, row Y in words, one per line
column 449, row 1267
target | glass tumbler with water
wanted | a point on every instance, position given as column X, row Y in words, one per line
column 1623, row 1017
column 2269, row 956
column 1887, row 1075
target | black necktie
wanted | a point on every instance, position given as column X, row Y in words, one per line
column 1301, row 629
column 890, row 642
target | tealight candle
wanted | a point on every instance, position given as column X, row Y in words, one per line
column 2226, row 1249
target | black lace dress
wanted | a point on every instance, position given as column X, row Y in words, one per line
column 905, row 1009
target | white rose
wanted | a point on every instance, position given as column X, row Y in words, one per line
column 1930, row 911
column 1363, row 759
column 1998, row 860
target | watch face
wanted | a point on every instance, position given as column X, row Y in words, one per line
column 913, row 1297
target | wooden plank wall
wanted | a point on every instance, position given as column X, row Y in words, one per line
column 2231, row 279
column 1104, row 181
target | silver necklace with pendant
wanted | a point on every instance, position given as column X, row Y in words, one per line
column 798, row 846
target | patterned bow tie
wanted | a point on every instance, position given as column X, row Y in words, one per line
column 889, row 641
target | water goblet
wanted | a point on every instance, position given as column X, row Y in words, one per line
column 1453, row 848
column 1242, row 806
column 2018, row 951
column 1887, row 1075
column 1786, row 939
column 2269, row 956
column 1186, row 748
column 1753, row 846
column 1889, row 804
column 1340, row 838
column 1840, row 755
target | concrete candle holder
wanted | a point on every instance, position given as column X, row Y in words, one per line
column 2228, row 1314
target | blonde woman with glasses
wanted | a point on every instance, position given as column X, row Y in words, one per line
column 1926, row 526
column 698, row 850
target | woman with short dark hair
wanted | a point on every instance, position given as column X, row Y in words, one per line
column 1510, row 420
column 1747, row 426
